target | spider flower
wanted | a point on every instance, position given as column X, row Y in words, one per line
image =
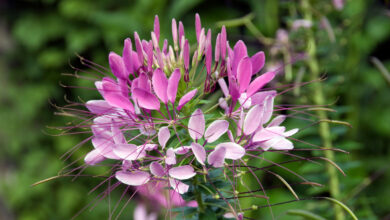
column 155, row 118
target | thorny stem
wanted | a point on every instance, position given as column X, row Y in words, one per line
column 319, row 99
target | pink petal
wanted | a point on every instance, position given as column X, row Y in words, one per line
column 217, row 48
column 244, row 73
column 146, row 100
column 186, row 55
column 181, row 32
column 217, row 157
column 186, row 98
column 170, row 157
column 208, row 52
column 258, row 98
column 112, row 93
column 280, row 143
column 117, row 135
column 268, row 109
column 223, row 86
column 99, row 107
column 149, row 147
column 223, row 42
column 277, row 121
column 140, row 212
column 156, row 28
column 127, row 56
column 215, row 130
column 174, row 31
column 291, row 132
column 260, row 82
column 233, row 150
column 182, row 172
column 160, row 85
column 179, row 186
column 173, row 83
column 128, row 152
column 257, row 61
column 196, row 124
column 163, row 136
column 268, row 133
column 199, row 152
column 156, row 169
column 253, row 119
column 135, row 178
column 104, row 147
column 198, row 26
column 93, row 157
column 116, row 65
column 138, row 47
column 239, row 53
column 182, row 150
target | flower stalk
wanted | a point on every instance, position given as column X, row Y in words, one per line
column 319, row 99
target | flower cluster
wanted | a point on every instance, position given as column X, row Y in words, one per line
column 163, row 118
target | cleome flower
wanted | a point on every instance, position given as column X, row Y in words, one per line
column 146, row 121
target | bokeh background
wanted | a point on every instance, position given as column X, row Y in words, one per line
column 39, row 40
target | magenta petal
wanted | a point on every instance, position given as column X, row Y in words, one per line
column 112, row 93
column 178, row 186
column 260, row 82
column 127, row 55
column 170, row 157
column 186, row 55
column 138, row 47
column 198, row 26
column 217, row 52
column 173, row 84
column 223, row 86
column 277, row 121
column 233, row 150
column 199, row 152
column 182, row 172
column 208, row 52
column 217, row 157
column 156, row 28
column 244, row 73
column 239, row 53
column 223, row 42
column 216, row 130
column 253, row 119
column 160, row 85
column 186, row 98
column 99, row 107
column 146, row 100
column 163, row 136
column 283, row 144
column 181, row 32
column 156, row 169
column 258, row 61
column 116, row 65
column 196, row 124
column 93, row 157
column 135, row 178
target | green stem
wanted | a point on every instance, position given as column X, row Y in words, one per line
column 198, row 196
column 319, row 99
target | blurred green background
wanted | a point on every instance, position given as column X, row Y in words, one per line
column 39, row 40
